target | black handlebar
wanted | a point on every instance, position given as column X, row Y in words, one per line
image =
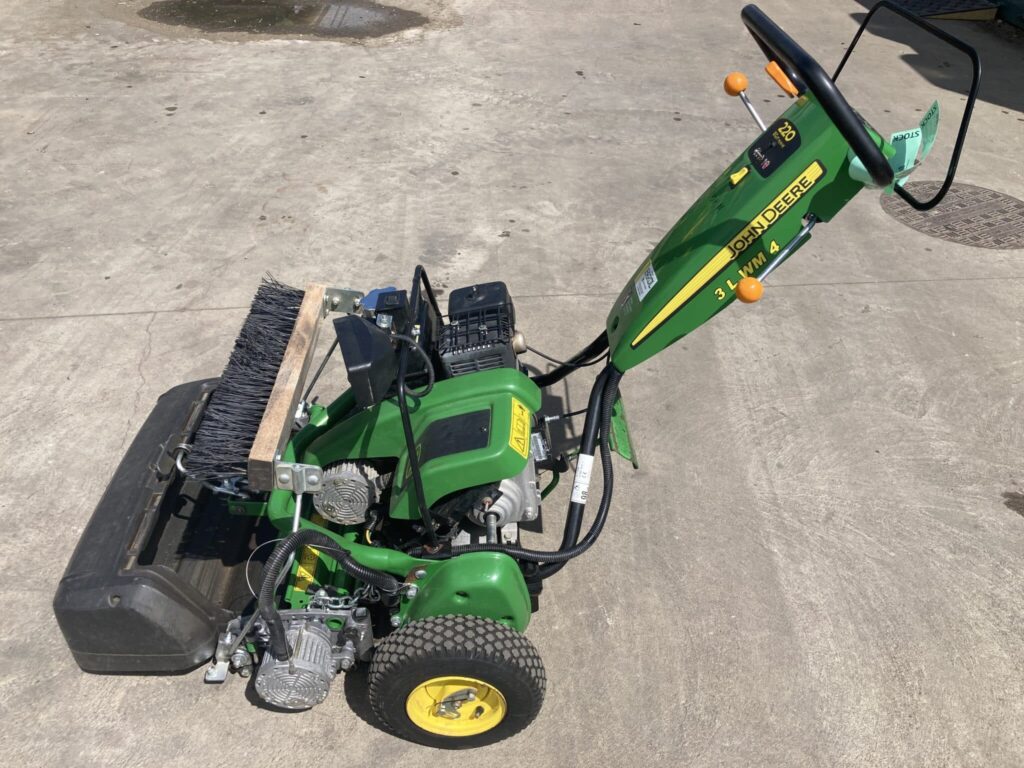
column 780, row 47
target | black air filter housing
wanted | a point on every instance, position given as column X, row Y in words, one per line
column 478, row 336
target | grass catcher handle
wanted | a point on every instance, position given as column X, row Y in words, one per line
column 780, row 47
column 972, row 95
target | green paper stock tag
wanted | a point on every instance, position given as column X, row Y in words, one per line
column 909, row 149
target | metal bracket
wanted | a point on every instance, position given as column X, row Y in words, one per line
column 298, row 478
column 450, row 705
column 216, row 672
column 788, row 248
column 341, row 300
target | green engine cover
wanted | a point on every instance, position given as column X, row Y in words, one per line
column 799, row 165
column 469, row 430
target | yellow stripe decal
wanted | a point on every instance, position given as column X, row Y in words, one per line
column 737, row 245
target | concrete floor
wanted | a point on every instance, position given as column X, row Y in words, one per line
column 821, row 560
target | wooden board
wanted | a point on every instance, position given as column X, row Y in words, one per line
column 279, row 415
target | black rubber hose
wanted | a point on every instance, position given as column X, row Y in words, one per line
column 591, row 430
column 564, row 555
column 277, row 559
column 591, row 427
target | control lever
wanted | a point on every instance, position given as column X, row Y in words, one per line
column 736, row 84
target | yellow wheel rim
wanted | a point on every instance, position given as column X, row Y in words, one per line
column 456, row 706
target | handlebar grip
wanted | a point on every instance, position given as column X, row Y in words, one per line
column 779, row 46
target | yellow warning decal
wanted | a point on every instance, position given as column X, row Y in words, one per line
column 519, row 436
column 737, row 245
column 305, row 574
column 305, row 570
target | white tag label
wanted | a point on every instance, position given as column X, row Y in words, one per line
column 929, row 130
column 581, row 480
column 645, row 282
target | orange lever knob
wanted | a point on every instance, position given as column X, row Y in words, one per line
column 736, row 83
column 749, row 290
column 781, row 78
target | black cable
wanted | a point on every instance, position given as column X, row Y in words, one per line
column 567, row 365
column 412, row 457
column 568, row 415
column 426, row 360
column 593, row 350
column 316, row 376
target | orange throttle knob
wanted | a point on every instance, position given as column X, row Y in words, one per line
column 749, row 290
column 736, row 83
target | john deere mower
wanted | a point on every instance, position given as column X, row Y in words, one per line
column 258, row 531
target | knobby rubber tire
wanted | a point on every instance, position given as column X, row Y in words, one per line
column 465, row 646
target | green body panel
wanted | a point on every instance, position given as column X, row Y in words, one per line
column 487, row 584
column 481, row 584
column 377, row 433
column 731, row 232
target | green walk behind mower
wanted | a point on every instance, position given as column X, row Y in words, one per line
column 257, row 532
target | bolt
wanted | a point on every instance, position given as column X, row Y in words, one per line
column 284, row 478
column 312, row 479
column 396, row 620
column 420, row 573
column 411, row 591
column 244, row 672
column 347, row 663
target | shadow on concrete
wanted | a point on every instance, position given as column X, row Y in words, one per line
column 1015, row 501
column 1000, row 47
column 357, row 694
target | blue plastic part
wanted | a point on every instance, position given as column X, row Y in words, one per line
column 369, row 301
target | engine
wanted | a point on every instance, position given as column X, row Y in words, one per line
column 479, row 335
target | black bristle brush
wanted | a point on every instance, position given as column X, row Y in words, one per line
column 220, row 448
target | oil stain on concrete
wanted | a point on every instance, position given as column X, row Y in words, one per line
column 352, row 19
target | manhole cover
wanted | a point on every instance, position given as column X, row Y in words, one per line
column 968, row 215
